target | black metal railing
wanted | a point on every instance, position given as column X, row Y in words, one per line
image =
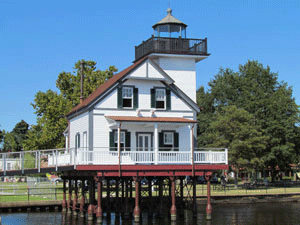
column 171, row 46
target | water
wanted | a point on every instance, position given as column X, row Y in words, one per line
column 250, row 214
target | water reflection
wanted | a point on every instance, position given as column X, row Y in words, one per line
column 252, row 214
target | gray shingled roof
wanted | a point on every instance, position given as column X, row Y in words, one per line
column 169, row 19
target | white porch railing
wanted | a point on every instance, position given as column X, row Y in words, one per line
column 106, row 156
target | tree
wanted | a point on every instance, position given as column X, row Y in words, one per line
column 236, row 129
column 69, row 84
column 13, row 141
column 1, row 135
column 257, row 90
column 51, row 107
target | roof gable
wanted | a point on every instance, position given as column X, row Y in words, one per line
column 151, row 71
column 104, row 87
column 143, row 69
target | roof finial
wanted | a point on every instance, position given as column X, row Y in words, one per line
column 169, row 11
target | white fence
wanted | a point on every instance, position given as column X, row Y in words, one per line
column 105, row 156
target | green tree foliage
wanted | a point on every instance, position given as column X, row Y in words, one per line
column 51, row 107
column 236, row 129
column 256, row 89
column 69, row 83
column 29, row 161
column 13, row 141
column 1, row 135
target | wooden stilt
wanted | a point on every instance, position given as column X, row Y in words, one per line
column 208, row 205
column 127, row 210
column 99, row 206
column 108, row 200
column 117, row 202
column 150, row 201
column 160, row 195
column 194, row 207
column 64, row 202
column 82, row 201
column 130, row 188
column 173, row 207
column 75, row 198
column 137, row 210
column 91, row 200
column 70, row 196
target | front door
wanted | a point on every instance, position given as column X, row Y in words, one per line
column 144, row 142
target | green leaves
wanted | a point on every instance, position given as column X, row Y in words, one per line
column 13, row 141
column 51, row 107
column 261, row 130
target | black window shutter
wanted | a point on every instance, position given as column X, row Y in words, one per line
column 153, row 98
column 77, row 140
column 176, row 141
column 168, row 99
column 112, row 141
column 127, row 141
column 161, row 140
column 135, row 98
column 120, row 98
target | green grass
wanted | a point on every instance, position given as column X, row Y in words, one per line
column 21, row 192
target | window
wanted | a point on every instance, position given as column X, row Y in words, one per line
column 124, row 140
column 160, row 98
column 127, row 95
column 77, row 140
column 168, row 138
column 122, row 137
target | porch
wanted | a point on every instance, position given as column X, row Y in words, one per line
column 55, row 158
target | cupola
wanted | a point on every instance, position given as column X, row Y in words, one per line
column 170, row 27
column 169, row 38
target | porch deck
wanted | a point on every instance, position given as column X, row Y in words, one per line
column 100, row 158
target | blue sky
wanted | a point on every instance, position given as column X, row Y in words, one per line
column 40, row 39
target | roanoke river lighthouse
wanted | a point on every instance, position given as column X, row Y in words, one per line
column 139, row 125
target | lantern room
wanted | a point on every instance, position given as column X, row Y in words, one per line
column 170, row 27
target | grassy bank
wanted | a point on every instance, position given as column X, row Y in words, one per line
column 19, row 192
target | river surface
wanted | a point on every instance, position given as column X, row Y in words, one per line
column 252, row 214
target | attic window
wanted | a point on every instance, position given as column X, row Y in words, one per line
column 127, row 95
column 160, row 98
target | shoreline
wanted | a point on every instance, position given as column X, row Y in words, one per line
column 250, row 199
column 201, row 200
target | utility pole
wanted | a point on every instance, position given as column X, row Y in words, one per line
column 81, row 80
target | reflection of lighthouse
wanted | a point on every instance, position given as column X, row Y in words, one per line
column 234, row 219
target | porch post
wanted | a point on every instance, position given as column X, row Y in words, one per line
column 192, row 147
column 155, row 143
column 119, row 146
